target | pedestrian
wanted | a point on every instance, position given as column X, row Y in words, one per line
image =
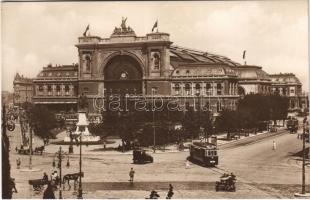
column 45, row 177
column 187, row 164
column 13, row 185
column 154, row 195
column 18, row 163
column 170, row 192
column 274, row 145
column 131, row 175
column 49, row 192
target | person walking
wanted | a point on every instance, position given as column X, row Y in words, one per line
column 49, row 192
column 18, row 163
column 13, row 185
column 45, row 177
column 170, row 192
column 274, row 145
column 131, row 175
column 187, row 164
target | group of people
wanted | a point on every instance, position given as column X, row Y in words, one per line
column 154, row 194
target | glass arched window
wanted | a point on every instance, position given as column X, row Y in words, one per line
column 49, row 90
column 187, row 89
column 219, row 89
column 177, row 89
column 67, row 89
column 208, row 89
column 58, row 90
column 197, row 88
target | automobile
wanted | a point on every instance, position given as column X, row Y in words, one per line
column 139, row 156
column 226, row 183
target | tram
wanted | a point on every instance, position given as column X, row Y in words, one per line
column 292, row 124
column 205, row 153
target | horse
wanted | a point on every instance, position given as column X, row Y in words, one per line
column 68, row 177
column 39, row 149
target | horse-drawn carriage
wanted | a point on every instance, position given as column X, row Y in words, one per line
column 226, row 183
column 26, row 150
column 38, row 184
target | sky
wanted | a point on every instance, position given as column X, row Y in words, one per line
column 273, row 33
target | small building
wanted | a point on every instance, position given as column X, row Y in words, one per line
column 23, row 90
column 57, row 87
column 287, row 84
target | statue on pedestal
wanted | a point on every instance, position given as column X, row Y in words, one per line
column 83, row 103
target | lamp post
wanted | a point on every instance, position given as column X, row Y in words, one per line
column 60, row 154
column 81, row 127
column 153, row 110
column 303, row 187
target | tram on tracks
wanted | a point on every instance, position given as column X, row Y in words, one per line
column 204, row 153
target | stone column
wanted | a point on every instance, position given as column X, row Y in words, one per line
column 192, row 86
column 229, row 92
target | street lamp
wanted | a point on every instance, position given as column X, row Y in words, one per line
column 60, row 154
column 81, row 125
column 153, row 110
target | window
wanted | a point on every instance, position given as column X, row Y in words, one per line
column 154, row 90
column 197, row 87
column 85, row 90
column 67, row 90
column 208, row 89
column 219, row 89
column 177, row 88
column 218, row 106
column 41, row 88
column 187, row 89
column 58, row 90
column 49, row 89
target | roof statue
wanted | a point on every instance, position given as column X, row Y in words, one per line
column 123, row 29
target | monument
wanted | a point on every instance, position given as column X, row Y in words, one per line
column 82, row 131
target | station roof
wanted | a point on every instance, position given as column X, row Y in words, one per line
column 187, row 55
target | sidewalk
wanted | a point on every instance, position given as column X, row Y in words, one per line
column 98, row 149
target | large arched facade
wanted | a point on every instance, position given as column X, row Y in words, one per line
column 123, row 75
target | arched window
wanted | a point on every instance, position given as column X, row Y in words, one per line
column 219, row 89
column 197, row 88
column 177, row 88
column 49, row 89
column 67, row 89
column 58, row 90
column 208, row 89
column 187, row 89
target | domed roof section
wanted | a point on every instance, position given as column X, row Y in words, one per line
column 185, row 55
column 203, row 71
column 251, row 72
column 288, row 78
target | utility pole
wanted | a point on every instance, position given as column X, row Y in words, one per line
column 303, row 187
column 30, row 146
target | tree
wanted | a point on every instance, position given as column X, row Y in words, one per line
column 42, row 120
column 6, row 167
column 191, row 124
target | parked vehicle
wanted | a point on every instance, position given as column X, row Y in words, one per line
column 139, row 156
column 205, row 153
